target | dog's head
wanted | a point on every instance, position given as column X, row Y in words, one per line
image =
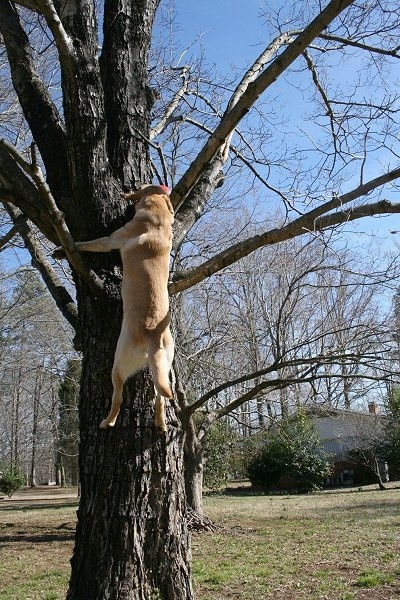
column 148, row 190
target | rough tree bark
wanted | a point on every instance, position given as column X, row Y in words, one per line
column 131, row 538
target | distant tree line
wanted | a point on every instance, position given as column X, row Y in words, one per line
column 39, row 384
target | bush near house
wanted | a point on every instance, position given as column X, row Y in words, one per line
column 290, row 452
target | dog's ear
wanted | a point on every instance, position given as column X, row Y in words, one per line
column 136, row 196
column 169, row 204
column 146, row 190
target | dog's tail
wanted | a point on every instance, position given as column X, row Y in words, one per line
column 160, row 368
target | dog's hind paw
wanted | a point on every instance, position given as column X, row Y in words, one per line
column 105, row 424
column 161, row 428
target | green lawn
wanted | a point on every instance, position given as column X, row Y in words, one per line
column 340, row 546
column 330, row 545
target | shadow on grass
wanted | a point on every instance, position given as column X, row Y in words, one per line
column 37, row 538
column 34, row 505
column 372, row 505
column 254, row 491
column 382, row 502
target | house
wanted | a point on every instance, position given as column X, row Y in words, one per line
column 342, row 431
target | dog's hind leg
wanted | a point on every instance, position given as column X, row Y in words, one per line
column 160, row 362
column 160, row 414
column 160, row 367
column 118, row 383
column 127, row 361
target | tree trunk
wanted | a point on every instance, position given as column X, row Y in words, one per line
column 131, row 539
column 36, row 395
column 60, row 471
column 378, row 474
column 14, row 460
column 194, row 454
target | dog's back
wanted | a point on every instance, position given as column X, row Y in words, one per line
column 145, row 258
column 145, row 338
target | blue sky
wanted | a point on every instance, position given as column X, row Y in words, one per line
column 232, row 33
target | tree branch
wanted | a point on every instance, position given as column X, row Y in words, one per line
column 60, row 295
column 365, row 210
column 57, row 218
column 39, row 110
column 240, row 156
column 314, row 220
column 275, row 384
column 62, row 40
column 172, row 106
column 325, row 100
column 8, row 237
column 252, row 93
column 331, row 358
column 212, row 177
column 17, row 188
column 347, row 42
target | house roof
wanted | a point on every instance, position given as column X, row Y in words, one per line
column 333, row 423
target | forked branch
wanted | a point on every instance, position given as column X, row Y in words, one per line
column 315, row 220
column 252, row 92
column 57, row 217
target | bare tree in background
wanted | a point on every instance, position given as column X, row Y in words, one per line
column 35, row 342
column 281, row 330
column 131, row 539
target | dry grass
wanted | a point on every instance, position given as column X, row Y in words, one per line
column 332, row 545
column 36, row 539
column 336, row 546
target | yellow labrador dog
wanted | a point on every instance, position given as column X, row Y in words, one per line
column 145, row 338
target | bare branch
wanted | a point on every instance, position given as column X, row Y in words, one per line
column 158, row 149
column 191, row 208
column 211, row 178
column 172, row 106
column 314, row 220
column 252, row 93
column 348, row 42
column 259, row 64
column 62, row 40
column 365, row 210
column 59, row 293
column 19, row 189
column 330, row 359
column 325, row 100
column 280, row 383
column 8, row 237
column 241, row 157
column 57, row 218
column 39, row 110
